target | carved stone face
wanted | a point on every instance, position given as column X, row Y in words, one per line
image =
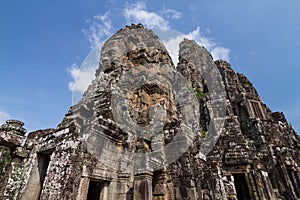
column 139, row 101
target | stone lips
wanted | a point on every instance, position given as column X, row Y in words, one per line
column 133, row 59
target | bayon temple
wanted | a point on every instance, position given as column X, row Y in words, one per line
column 148, row 128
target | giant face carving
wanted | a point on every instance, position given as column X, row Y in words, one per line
column 141, row 110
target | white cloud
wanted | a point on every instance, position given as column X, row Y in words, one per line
column 171, row 14
column 218, row 52
column 137, row 13
column 172, row 46
column 197, row 35
column 84, row 74
column 99, row 28
column 3, row 117
column 82, row 77
column 208, row 30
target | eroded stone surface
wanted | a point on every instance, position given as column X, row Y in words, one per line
column 256, row 155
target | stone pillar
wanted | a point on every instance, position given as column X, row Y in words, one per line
column 112, row 190
column 104, row 194
column 13, row 157
column 122, row 187
column 252, row 185
column 83, row 188
column 267, row 183
column 143, row 186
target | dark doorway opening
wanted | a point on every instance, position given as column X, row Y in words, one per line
column 241, row 187
column 95, row 189
column 129, row 194
column 43, row 164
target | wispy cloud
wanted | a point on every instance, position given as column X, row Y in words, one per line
column 3, row 117
column 220, row 52
column 82, row 77
column 138, row 13
column 171, row 13
column 84, row 74
column 99, row 28
column 217, row 51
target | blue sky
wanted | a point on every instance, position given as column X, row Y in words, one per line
column 43, row 43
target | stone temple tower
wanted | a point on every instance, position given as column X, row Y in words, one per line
column 146, row 129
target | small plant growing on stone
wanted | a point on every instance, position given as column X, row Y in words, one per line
column 199, row 94
column 203, row 134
